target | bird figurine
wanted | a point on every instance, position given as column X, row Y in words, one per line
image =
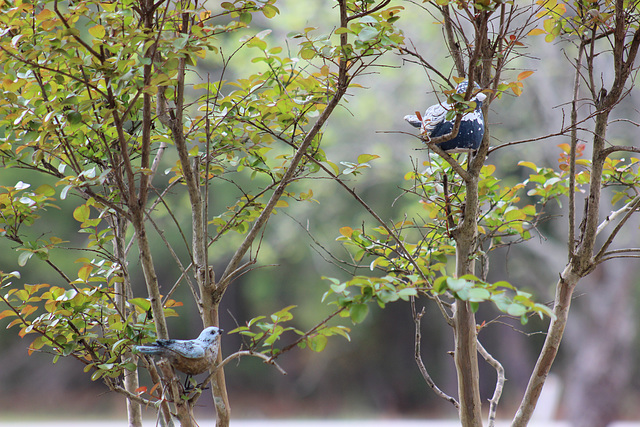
column 189, row 356
column 434, row 124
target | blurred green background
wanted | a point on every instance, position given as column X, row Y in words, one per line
column 375, row 374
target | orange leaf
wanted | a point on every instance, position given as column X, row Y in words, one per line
column 523, row 75
column 27, row 310
column 155, row 386
column 7, row 313
column 346, row 231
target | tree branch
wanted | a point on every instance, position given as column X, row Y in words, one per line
column 417, row 317
column 497, row 393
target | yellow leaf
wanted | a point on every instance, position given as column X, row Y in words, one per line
column 488, row 169
column 97, row 31
column 514, row 215
column 536, row 32
column 84, row 272
column 549, row 24
column 529, row 165
column 560, row 9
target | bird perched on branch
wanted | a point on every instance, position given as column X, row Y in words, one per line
column 189, row 356
column 434, row 123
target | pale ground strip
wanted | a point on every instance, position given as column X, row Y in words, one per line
column 543, row 417
column 291, row 423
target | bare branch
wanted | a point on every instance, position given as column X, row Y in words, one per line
column 497, row 393
column 417, row 317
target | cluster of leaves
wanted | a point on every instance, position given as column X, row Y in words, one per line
column 372, row 34
column 414, row 258
column 20, row 206
column 501, row 215
column 478, row 5
column 624, row 175
column 590, row 16
column 82, row 322
column 442, row 197
column 76, row 80
column 506, row 297
column 364, row 289
column 551, row 184
column 263, row 334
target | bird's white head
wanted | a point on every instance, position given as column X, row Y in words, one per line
column 210, row 334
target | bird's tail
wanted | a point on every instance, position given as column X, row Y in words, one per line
column 148, row 349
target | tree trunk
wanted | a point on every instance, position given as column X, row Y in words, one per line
column 465, row 332
column 564, row 292
column 122, row 293
column 466, row 360
column 604, row 332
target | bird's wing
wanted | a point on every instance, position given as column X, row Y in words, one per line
column 432, row 117
column 191, row 349
column 148, row 349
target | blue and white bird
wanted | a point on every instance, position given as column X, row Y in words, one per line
column 189, row 356
column 434, row 123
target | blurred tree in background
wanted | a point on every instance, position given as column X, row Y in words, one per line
column 101, row 98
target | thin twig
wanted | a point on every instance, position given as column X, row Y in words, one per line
column 417, row 317
column 497, row 393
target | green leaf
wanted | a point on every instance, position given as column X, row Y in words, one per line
column 479, row 295
column 358, row 312
column 317, row 343
column 143, row 303
column 181, row 41
column 307, row 54
column 246, row 18
column 81, row 213
column 406, row 293
column 440, row 284
column 46, row 190
column 270, row 11
column 24, row 257
column 283, row 315
column 457, row 285
column 367, row 34
column 74, row 117
column 516, row 310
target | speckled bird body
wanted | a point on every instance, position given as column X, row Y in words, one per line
column 189, row 356
column 434, row 123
